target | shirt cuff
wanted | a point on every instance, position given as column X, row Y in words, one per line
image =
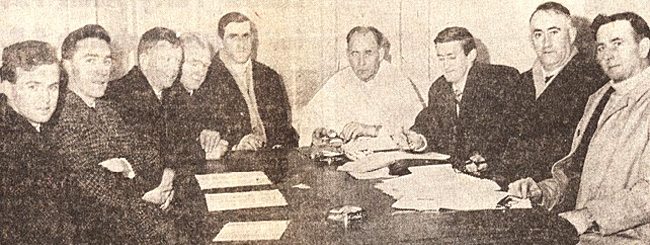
column 424, row 139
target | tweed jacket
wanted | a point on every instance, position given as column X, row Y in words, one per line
column 228, row 111
column 35, row 193
column 481, row 125
column 85, row 137
column 615, row 180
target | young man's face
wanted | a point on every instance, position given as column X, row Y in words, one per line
column 35, row 93
column 619, row 54
column 454, row 60
column 89, row 68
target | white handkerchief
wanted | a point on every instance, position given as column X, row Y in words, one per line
column 252, row 231
column 233, row 179
column 242, row 200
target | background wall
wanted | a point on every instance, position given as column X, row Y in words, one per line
column 304, row 40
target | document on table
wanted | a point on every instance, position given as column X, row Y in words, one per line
column 475, row 200
column 243, row 200
column 379, row 160
column 382, row 173
column 233, row 179
column 252, row 231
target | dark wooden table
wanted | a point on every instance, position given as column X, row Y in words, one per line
column 308, row 208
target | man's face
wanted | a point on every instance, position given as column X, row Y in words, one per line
column 161, row 64
column 552, row 36
column 454, row 60
column 238, row 41
column 35, row 93
column 364, row 55
column 618, row 53
column 89, row 68
column 195, row 67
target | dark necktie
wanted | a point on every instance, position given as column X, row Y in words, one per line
column 548, row 79
column 581, row 152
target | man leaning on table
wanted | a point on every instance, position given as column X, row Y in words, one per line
column 610, row 157
column 366, row 99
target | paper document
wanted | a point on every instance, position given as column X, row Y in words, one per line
column 242, row 200
column 252, row 231
column 379, row 160
column 474, row 200
column 381, row 173
column 234, row 179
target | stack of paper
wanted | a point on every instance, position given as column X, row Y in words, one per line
column 379, row 160
column 439, row 186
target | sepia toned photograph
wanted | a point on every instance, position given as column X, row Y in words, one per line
column 325, row 122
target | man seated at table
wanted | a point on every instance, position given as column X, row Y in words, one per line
column 118, row 173
column 34, row 188
column 551, row 97
column 187, row 117
column 249, row 104
column 466, row 116
column 369, row 98
column 609, row 164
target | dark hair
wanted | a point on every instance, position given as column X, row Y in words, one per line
column 154, row 35
column 456, row 33
column 379, row 37
column 638, row 23
column 69, row 45
column 552, row 7
column 25, row 55
column 229, row 18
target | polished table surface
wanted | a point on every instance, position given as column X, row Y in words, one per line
column 308, row 209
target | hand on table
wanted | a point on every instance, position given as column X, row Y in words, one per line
column 476, row 164
column 209, row 140
column 354, row 130
column 161, row 195
column 526, row 188
column 250, row 142
column 218, row 152
column 409, row 140
column 322, row 136
column 119, row 165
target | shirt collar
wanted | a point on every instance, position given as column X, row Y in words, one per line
column 90, row 102
column 626, row 86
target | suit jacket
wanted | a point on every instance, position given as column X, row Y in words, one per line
column 228, row 112
column 480, row 125
column 544, row 126
column 35, row 191
column 84, row 137
column 141, row 110
column 615, row 180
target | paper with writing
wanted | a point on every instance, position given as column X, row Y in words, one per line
column 252, row 231
column 243, row 200
column 233, row 179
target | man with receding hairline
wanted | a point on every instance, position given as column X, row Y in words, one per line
column 367, row 99
column 608, row 169
column 550, row 99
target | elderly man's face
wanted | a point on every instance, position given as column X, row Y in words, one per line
column 89, row 68
column 195, row 66
column 552, row 36
column 162, row 63
column 454, row 60
column 35, row 93
column 364, row 55
column 618, row 53
column 238, row 41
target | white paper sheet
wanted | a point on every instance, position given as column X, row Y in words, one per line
column 233, row 179
column 252, row 231
column 242, row 200
column 383, row 159
column 476, row 200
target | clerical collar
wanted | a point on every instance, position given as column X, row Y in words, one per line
column 624, row 87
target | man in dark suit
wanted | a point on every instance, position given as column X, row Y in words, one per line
column 466, row 113
column 34, row 190
column 117, row 172
column 250, row 108
column 551, row 99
